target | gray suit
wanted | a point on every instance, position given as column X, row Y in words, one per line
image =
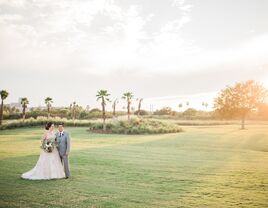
column 64, row 150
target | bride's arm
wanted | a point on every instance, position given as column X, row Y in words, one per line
column 44, row 137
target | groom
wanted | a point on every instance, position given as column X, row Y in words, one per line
column 63, row 140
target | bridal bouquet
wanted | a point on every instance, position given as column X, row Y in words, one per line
column 48, row 145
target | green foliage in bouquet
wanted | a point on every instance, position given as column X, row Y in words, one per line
column 48, row 145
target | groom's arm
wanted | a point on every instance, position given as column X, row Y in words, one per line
column 56, row 139
column 68, row 141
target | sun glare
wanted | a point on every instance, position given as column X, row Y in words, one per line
column 265, row 83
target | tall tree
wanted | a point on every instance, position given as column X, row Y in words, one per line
column 128, row 97
column 48, row 102
column 4, row 95
column 139, row 106
column 87, row 108
column 240, row 99
column 205, row 105
column 24, row 102
column 180, row 105
column 73, row 109
column 114, row 107
column 103, row 95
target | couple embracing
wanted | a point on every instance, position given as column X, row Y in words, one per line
column 53, row 161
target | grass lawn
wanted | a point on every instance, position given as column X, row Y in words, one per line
column 213, row 166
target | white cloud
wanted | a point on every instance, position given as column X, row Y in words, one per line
column 13, row 3
column 11, row 17
column 102, row 41
column 61, row 30
column 61, row 37
column 185, row 9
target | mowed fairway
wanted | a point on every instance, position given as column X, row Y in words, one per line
column 217, row 166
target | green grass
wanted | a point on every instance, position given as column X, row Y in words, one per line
column 213, row 166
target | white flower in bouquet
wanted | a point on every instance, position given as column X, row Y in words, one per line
column 48, row 145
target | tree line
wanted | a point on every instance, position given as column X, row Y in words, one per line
column 73, row 110
column 236, row 101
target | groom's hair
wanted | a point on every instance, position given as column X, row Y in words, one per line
column 61, row 124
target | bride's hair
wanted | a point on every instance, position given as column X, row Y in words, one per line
column 48, row 125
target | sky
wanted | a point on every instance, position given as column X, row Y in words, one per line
column 164, row 51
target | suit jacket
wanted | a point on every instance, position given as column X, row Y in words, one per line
column 63, row 143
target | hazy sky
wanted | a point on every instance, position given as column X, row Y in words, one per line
column 166, row 51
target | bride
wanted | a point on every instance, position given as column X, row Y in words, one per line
column 48, row 165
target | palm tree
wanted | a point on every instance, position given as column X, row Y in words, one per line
column 205, row 105
column 4, row 95
column 48, row 102
column 114, row 106
column 128, row 97
column 24, row 102
column 180, row 105
column 139, row 106
column 73, row 108
column 103, row 95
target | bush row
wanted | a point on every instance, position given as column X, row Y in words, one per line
column 134, row 126
column 41, row 121
column 138, row 126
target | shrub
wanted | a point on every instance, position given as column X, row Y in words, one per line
column 142, row 112
column 137, row 126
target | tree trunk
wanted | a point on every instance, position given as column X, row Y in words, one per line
column 104, row 125
column 103, row 116
column 73, row 116
column 48, row 113
column 1, row 112
column 23, row 114
column 139, row 107
column 114, row 111
column 128, row 111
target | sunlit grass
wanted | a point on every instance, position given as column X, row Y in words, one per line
column 216, row 166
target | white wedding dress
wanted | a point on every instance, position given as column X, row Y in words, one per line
column 48, row 166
